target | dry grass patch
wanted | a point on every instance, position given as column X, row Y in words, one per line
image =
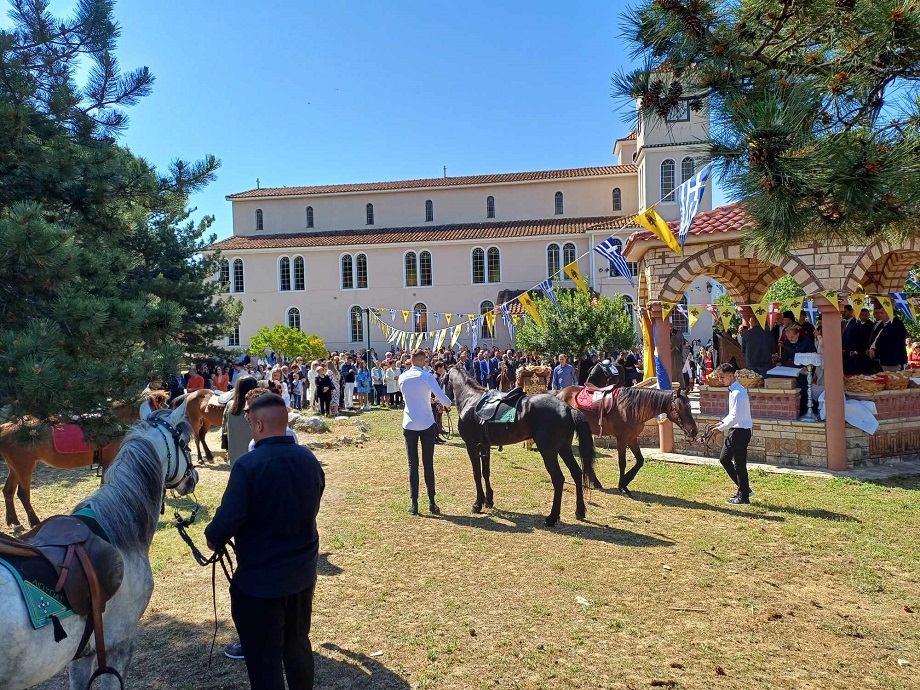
column 811, row 587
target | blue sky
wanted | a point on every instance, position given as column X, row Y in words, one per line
column 301, row 93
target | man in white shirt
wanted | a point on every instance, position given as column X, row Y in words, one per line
column 417, row 386
column 736, row 426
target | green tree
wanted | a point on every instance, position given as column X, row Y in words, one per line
column 785, row 288
column 814, row 107
column 100, row 278
column 725, row 300
column 588, row 323
column 287, row 342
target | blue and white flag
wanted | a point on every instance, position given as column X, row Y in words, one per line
column 900, row 301
column 549, row 291
column 393, row 315
column 506, row 319
column 437, row 317
column 610, row 250
column 689, row 195
column 912, row 279
column 661, row 372
column 474, row 331
column 811, row 310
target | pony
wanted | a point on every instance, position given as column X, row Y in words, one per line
column 21, row 458
column 549, row 422
column 153, row 457
column 625, row 416
column 203, row 413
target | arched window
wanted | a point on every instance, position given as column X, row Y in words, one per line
column 479, row 265
column 678, row 319
column 668, row 173
column 687, row 169
column 617, row 199
column 309, row 216
column 284, row 274
column 411, row 270
column 429, row 211
column 293, row 318
column 559, row 203
column 552, row 260
column 356, row 324
column 233, row 340
column 495, row 265
column 260, row 225
column 299, row 274
column 369, row 211
column 348, row 272
column 487, row 307
column 424, row 267
column 568, row 254
column 490, row 207
column 238, row 284
column 420, row 314
column 361, row 270
column 223, row 276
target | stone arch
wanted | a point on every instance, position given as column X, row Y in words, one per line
column 883, row 267
column 745, row 278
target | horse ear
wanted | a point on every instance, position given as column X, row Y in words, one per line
column 177, row 415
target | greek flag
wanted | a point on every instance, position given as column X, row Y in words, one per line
column 547, row 287
column 689, row 195
column 811, row 310
column 900, row 301
column 610, row 250
column 506, row 319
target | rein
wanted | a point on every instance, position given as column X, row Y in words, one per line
column 449, row 430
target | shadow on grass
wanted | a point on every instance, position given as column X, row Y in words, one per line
column 354, row 670
column 675, row 502
column 910, row 482
column 325, row 568
column 503, row 521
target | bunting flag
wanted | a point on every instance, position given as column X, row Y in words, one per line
column 572, row 272
column 530, row 308
column 507, row 319
column 913, row 280
column 693, row 314
column 470, row 317
column 490, row 321
column 811, row 310
column 439, row 341
column 666, row 309
column 762, row 311
column 900, row 301
column 550, row 292
column 794, row 305
column 474, row 332
column 394, row 334
column 648, row 351
column 858, row 300
column 437, row 317
column 651, row 221
column 725, row 316
column 689, row 195
column 887, row 305
column 610, row 250
column 455, row 335
column 447, row 316
column 831, row 296
column 405, row 313
column 392, row 315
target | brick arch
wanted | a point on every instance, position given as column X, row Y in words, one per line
column 746, row 279
column 883, row 266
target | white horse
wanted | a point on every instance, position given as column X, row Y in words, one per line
column 153, row 457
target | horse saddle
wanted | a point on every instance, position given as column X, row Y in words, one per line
column 89, row 568
column 597, row 400
column 499, row 407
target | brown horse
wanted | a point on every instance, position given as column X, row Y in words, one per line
column 504, row 381
column 21, row 458
column 203, row 413
column 623, row 412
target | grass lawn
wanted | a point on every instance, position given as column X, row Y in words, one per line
column 817, row 585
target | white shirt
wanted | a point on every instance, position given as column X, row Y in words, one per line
column 739, row 409
column 417, row 385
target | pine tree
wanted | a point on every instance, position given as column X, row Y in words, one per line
column 814, row 107
column 101, row 279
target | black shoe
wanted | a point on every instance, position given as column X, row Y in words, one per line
column 738, row 501
column 738, row 493
column 439, row 442
column 234, row 651
column 413, row 509
column 433, row 509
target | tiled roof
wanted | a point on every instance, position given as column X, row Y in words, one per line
column 437, row 233
column 722, row 219
column 629, row 137
column 436, row 182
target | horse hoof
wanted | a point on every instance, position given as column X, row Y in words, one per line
column 626, row 492
column 551, row 521
column 489, row 505
column 580, row 515
column 477, row 508
column 597, row 485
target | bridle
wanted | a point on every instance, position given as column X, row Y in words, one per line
column 182, row 449
column 674, row 415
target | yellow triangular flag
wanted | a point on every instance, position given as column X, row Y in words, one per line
column 405, row 315
column 666, row 309
column 455, row 335
column 470, row 317
column 831, row 296
column 693, row 314
column 725, row 316
column 447, row 316
column 651, row 221
column 859, row 302
column 762, row 311
column 887, row 305
column 530, row 307
column 490, row 321
column 794, row 305
column 572, row 272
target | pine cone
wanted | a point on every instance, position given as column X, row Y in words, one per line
column 872, row 167
column 845, row 4
column 675, row 90
column 656, row 88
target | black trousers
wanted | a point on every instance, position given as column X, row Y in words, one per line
column 734, row 458
column 325, row 399
column 275, row 635
column 426, row 437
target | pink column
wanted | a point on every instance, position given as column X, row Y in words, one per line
column 833, row 385
column 663, row 337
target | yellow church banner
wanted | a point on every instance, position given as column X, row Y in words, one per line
column 531, row 309
column 794, row 305
column 693, row 314
column 470, row 317
column 762, row 311
column 831, row 296
column 490, row 321
column 651, row 221
column 572, row 272
column 725, row 316
column 666, row 309
column 887, row 305
column 447, row 316
column 858, row 300
column 405, row 313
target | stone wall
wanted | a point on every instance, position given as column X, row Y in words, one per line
column 892, row 404
column 768, row 403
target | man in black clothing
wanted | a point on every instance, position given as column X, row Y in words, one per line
column 888, row 346
column 862, row 338
column 850, row 327
column 269, row 508
column 758, row 348
column 796, row 343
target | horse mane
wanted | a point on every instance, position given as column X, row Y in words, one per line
column 468, row 377
column 644, row 403
column 128, row 503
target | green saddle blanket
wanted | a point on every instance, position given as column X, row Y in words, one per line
column 36, row 579
column 495, row 407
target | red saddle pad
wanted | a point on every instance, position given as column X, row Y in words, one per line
column 584, row 400
column 68, row 438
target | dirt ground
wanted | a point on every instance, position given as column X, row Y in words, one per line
column 817, row 585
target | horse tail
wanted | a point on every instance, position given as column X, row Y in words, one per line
column 585, row 445
column 178, row 400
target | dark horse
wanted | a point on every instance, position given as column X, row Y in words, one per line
column 549, row 422
column 623, row 412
